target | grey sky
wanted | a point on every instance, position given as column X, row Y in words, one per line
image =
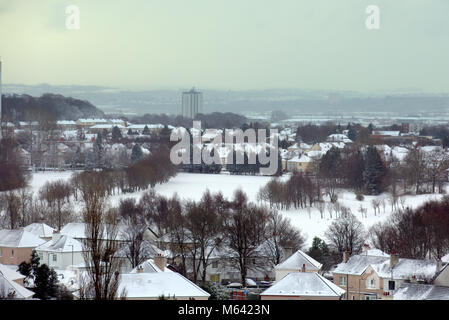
column 232, row 44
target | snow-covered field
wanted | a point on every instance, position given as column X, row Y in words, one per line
column 192, row 186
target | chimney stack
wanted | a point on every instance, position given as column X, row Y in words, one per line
column 160, row 261
column 303, row 269
column 366, row 248
column 288, row 252
column 139, row 269
column 56, row 235
column 345, row 256
column 394, row 259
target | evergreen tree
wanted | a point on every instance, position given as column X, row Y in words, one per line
column 165, row 134
column 339, row 128
column 99, row 151
column 136, row 154
column 46, row 283
column 374, row 172
column 146, row 131
column 130, row 132
column 29, row 270
column 116, row 134
column 371, row 128
column 352, row 133
column 320, row 252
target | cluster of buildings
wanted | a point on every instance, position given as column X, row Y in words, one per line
column 64, row 252
column 370, row 275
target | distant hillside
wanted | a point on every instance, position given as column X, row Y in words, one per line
column 51, row 106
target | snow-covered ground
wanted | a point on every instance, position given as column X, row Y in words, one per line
column 192, row 186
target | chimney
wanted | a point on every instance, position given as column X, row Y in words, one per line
column 160, row 261
column 303, row 269
column 55, row 236
column 366, row 247
column 439, row 265
column 345, row 256
column 287, row 253
column 139, row 269
column 394, row 259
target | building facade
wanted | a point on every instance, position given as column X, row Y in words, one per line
column 192, row 103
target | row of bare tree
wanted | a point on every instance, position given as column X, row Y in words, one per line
column 196, row 232
column 415, row 233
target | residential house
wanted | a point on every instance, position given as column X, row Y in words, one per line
column 40, row 230
column 61, row 252
column 86, row 123
column 301, row 163
column 153, row 286
column 11, row 285
column 163, row 282
column 303, row 286
column 17, row 245
column 297, row 262
column 98, row 128
column 371, row 277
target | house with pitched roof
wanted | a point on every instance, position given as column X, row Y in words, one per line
column 152, row 279
column 297, row 262
column 16, row 246
column 40, row 230
column 61, row 252
column 374, row 275
column 11, row 284
column 303, row 286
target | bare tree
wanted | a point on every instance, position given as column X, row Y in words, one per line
column 57, row 195
column 101, row 243
column 346, row 234
column 11, row 203
column 204, row 223
column 281, row 235
column 245, row 230
column 135, row 227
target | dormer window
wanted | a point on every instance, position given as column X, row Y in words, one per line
column 371, row 283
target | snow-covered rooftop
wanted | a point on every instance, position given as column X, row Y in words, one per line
column 63, row 244
column 149, row 266
column 19, row 239
column 304, row 284
column 407, row 268
column 77, row 230
column 10, row 273
column 41, row 230
column 297, row 260
column 357, row 264
column 153, row 285
column 414, row 291
column 8, row 286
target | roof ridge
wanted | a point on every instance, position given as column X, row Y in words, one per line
column 322, row 279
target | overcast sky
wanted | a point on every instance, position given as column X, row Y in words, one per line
column 232, row 44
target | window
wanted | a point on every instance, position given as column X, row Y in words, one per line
column 215, row 264
column 391, row 285
column 12, row 253
column 371, row 283
column 0, row 252
column 370, row 297
column 342, row 281
column 54, row 257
